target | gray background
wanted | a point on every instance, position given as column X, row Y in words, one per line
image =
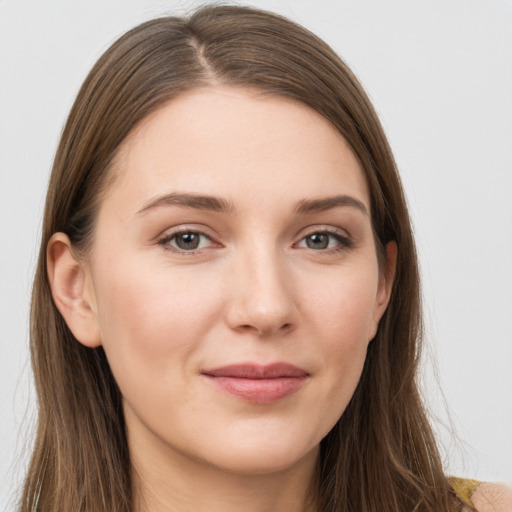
column 440, row 76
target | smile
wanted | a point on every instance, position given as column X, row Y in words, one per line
column 256, row 383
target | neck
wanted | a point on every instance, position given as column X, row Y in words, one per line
column 173, row 482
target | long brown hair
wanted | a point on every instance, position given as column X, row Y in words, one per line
column 381, row 455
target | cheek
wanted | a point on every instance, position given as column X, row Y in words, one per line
column 343, row 306
column 343, row 323
column 151, row 323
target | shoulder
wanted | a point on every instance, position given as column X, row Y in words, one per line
column 482, row 496
column 492, row 497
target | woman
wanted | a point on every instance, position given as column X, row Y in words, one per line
column 226, row 306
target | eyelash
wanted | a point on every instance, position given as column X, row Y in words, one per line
column 165, row 242
column 344, row 242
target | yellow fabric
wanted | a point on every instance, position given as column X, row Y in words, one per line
column 464, row 488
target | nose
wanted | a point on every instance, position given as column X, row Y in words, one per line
column 262, row 298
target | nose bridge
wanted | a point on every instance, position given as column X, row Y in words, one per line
column 263, row 294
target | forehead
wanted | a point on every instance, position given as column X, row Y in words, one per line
column 240, row 144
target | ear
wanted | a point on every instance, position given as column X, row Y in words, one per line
column 386, row 278
column 72, row 290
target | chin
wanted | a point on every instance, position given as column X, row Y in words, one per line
column 260, row 458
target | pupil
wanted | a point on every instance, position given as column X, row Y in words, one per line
column 188, row 241
column 317, row 241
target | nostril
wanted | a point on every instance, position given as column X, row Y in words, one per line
column 265, row 331
column 282, row 329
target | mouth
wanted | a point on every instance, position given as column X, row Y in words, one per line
column 258, row 384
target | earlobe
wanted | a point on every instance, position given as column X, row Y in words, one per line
column 67, row 277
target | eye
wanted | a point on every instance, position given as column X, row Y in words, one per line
column 186, row 241
column 325, row 240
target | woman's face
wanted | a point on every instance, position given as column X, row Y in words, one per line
column 234, row 280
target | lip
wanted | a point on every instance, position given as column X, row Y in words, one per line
column 259, row 384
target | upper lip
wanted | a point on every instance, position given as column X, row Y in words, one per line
column 257, row 371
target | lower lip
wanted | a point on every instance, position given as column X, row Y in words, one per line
column 259, row 391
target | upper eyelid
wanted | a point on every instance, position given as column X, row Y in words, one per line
column 342, row 238
column 303, row 232
column 184, row 228
column 170, row 236
column 319, row 228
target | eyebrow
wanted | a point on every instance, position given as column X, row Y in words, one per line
column 328, row 203
column 220, row 205
column 199, row 202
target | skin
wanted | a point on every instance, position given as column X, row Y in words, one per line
column 257, row 289
column 492, row 497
